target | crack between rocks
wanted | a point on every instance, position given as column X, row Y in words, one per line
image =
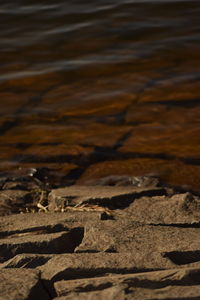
column 179, row 225
column 48, row 288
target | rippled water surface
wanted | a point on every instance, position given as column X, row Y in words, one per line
column 94, row 88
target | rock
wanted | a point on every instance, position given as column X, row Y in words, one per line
column 147, row 243
column 108, row 196
column 27, row 260
column 29, row 237
column 11, row 201
column 123, row 180
column 37, row 242
column 180, row 209
column 119, row 242
column 80, row 265
column 169, row 284
column 21, row 284
column 173, row 171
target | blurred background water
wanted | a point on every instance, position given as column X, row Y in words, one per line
column 96, row 88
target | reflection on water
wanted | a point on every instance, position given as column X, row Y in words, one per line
column 98, row 88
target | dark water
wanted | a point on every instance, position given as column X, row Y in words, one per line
column 94, row 88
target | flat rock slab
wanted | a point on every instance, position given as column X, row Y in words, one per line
column 31, row 221
column 81, row 254
column 147, row 244
column 47, row 237
column 21, row 284
column 169, row 284
column 112, row 197
column 27, row 260
column 180, row 209
column 80, row 265
column 31, row 242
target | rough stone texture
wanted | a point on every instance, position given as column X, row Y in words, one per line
column 150, row 285
column 35, row 234
column 21, row 284
column 119, row 242
column 177, row 209
column 10, row 200
column 111, row 197
column 80, row 265
column 27, row 260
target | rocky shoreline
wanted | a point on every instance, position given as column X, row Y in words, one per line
column 119, row 237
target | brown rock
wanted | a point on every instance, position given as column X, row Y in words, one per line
column 147, row 243
column 172, row 171
column 111, row 197
column 12, row 200
column 21, row 284
column 80, row 265
column 179, row 209
column 152, row 139
column 26, row 261
column 37, row 242
column 169, row 284
column 150, row 232
column 94, row 134
column 22, row 234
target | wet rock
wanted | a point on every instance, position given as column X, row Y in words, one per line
column 123, row 180
column 108, row 196
column 21, row 284
column 94, row 134
column 79, row 105
column 170, row 170
column 162, row 139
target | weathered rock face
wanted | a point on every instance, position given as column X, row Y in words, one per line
column 21, row 284
column 108, row 243
column 108, row 196
column 184, row 284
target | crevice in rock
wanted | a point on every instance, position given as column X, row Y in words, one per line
column 49, row 288
column 179, row 225
column 92, row 288
column 33, row 231
column 181, row 298
column 152, row 284
column 78, row 273
column 29, row 262
column 119, row 202
column 56, row 243
column 183, row 257
column 39, row 291
column 87, row 251
column 76, row 236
